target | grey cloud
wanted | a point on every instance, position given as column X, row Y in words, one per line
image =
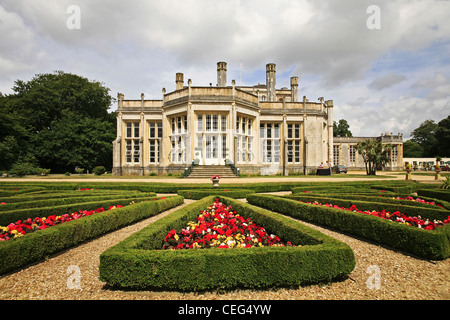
column 386, row 81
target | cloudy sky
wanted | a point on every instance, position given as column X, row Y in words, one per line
column 387, row 70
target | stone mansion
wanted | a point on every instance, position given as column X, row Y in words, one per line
column 260, row 129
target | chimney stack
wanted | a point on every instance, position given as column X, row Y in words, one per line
column 221, row 74
column 294, row 89
column 179, row 81
column 271, row 82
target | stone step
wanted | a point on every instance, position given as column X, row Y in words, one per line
column 209, row 171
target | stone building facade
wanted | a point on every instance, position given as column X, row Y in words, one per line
column 260, row 129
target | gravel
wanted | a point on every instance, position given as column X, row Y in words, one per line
column 402, row 277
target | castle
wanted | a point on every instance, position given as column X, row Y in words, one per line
column 259, row 129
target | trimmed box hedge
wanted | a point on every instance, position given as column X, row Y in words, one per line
column 435, row 193
column 426, row 244
column 430, row 212
column 139, row 263
column 199, row 194
column 35, row 246
column 7, row 217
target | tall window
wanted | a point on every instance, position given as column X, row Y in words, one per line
column 178, row 139
column 244, row 139
column 336, row 155
column 132, row 147
column 155, row 136
column 394, row 155
column 269, row 134
column 352, row 155
column 293, row 143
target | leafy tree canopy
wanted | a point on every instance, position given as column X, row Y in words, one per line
column 341, row 129
column 56, row 119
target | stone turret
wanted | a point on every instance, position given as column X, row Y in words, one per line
column 221, row 74
column 271, row 82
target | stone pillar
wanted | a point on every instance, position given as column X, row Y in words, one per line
column 179, row 81
column 329, row 105
column 294, row 89
column 221, row 74
column 271, row 82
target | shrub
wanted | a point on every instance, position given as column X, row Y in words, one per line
column 99, row 170
column 138, row 263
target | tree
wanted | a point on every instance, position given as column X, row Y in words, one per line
column 442, row 136
column 59, row 120
column 412, row 149
column 425, row 136
column 374, row 153
column 342, row 129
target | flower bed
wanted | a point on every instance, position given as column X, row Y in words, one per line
column 31, row 247
column 429, row 244
column 199, row 194
column 222, row 227
column 394, row 216
column 139, row 262
column 20, row 228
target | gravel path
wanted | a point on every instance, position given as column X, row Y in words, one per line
column 402, row 277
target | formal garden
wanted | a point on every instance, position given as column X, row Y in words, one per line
column 238, row 236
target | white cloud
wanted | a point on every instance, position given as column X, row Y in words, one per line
column 138, row 46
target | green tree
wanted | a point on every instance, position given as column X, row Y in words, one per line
column 75, row 141
column 375, row 154
column 442, row 136
column 425, row 136
column 341, row 129
column 57, row 119
column 412, row 149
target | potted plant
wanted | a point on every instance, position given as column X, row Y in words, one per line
column 215, row 180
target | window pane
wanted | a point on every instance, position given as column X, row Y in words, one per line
column 199, row 123
column 208, row 122
column 223, row 124
column 276, row 129
column 159, row 129
column 297, row 151
column 129, row 130
column 152, row 130
column 297, row 131
column 136, row 129
column 215, row 123
column 289, row 131
column 261, row 131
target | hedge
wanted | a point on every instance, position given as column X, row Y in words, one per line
column 6, row 217
column 387, row 198
column 431, row 212
column 35, row 246
column 438, row 194
column 427, row 244
column 57, row 201
column 199, row 194
column 138, row 263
